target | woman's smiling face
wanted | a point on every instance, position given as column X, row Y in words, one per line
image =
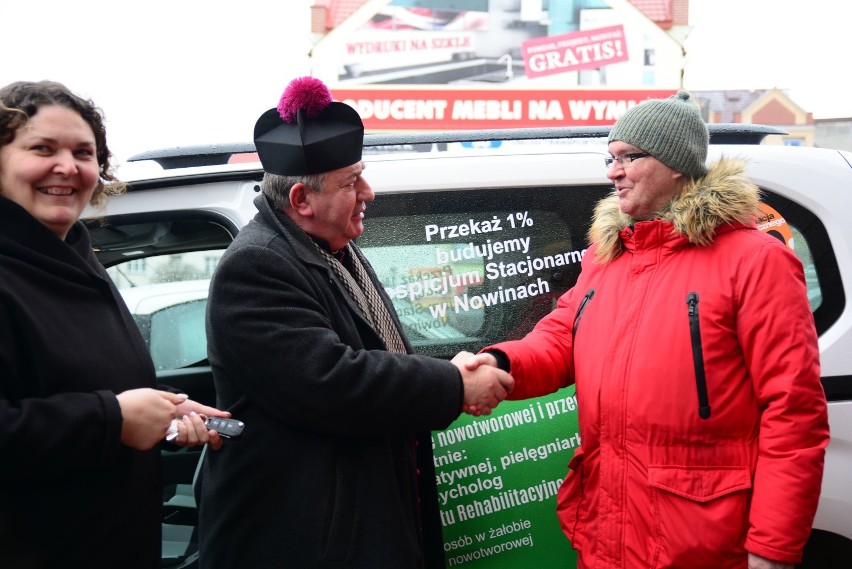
column 51, row 168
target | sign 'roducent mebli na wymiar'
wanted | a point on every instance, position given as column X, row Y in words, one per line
column 439, row 108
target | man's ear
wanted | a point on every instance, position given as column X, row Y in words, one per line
column 300, row 200
column 679, row 178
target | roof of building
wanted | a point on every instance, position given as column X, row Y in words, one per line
column 665, row 13
column 726, row 105
column 658, row 11
column 338, row 10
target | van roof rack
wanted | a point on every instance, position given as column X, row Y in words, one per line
column 216, row 154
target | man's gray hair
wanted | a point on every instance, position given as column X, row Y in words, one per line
column 277, row 188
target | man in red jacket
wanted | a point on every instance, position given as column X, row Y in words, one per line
column 692, row 345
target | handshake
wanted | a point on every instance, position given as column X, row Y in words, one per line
column 485, row 385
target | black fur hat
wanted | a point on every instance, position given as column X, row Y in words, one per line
column 308, row 132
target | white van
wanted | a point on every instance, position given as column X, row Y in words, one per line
column 474, row 239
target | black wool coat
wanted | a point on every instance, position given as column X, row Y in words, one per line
column 70, row 494
column 325, row 474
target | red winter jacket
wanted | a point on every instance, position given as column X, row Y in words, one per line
column 676, row 469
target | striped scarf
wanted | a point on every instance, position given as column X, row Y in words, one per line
column 362, row 290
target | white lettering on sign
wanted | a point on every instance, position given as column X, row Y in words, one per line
column 529, row 265
column 487, row 109
column 472, row 227
column 605, row 109
column 486, row 251
column 467, row 302
column 434, row 286
column 546, row 110
column 541, row 452
column 507, row 499
column 462, row 490
column 399, row 109
column 573, row 57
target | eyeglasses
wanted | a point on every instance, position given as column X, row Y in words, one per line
column 625, row 159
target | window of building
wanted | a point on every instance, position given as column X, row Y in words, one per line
column 137, row 266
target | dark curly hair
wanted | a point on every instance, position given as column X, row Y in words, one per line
column 21, row 100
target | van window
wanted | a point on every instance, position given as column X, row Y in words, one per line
column 806, row 235
column 466, row 268
column 167, row 297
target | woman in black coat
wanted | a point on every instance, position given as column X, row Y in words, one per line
column 81, row 417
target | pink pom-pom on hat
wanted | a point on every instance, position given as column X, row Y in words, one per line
column 306, row 93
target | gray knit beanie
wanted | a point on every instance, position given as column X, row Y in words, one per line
column 671, row 130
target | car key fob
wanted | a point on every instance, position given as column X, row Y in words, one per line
column 227, row 428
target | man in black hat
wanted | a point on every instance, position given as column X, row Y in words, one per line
column 307, row 349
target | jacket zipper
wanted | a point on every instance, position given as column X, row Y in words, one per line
column 698, row 355
column 580, row 311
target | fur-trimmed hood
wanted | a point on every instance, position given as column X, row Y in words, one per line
column 724, row 196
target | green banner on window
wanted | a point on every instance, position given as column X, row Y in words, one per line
column 497, row 479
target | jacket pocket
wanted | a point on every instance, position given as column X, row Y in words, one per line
column 569, row 499
column 699, row 516
column 700, row 484
column 340, row 520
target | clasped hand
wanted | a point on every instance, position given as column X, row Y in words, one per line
column 485, row 385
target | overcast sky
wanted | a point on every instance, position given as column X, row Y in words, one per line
column 798, row 46
column 179, row 72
